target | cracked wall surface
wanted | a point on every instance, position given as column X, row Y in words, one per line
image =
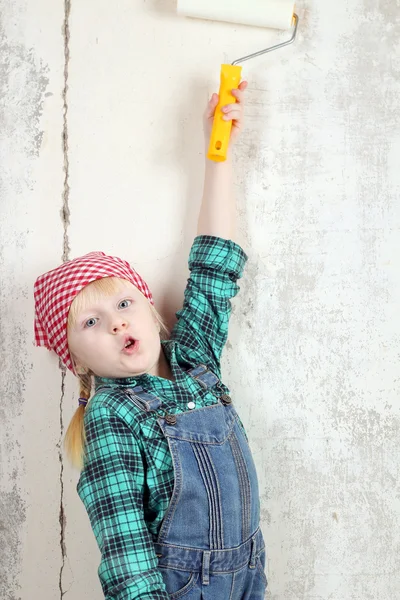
column 30, row 233
column 101, row 149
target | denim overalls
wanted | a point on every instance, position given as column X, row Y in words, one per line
column 210, row 545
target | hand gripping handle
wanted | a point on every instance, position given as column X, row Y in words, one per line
column 221, row 130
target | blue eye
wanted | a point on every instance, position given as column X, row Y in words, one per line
column 91, row 320
column 124, row 301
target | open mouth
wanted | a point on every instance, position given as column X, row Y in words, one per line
column 130, row 345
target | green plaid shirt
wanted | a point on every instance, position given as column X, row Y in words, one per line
column 128, row 476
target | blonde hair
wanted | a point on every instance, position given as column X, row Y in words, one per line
column 75, row 438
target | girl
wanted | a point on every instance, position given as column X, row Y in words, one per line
column 167, row 477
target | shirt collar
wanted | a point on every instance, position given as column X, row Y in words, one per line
column 137, row 380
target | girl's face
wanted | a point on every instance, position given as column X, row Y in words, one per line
column 117, row 335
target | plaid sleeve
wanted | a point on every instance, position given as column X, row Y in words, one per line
column 111, row 487
column 215, row 265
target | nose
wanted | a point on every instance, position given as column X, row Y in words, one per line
column 118, row 324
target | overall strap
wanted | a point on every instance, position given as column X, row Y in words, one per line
column 146, row 401
column 203, row 375
column 208, row 379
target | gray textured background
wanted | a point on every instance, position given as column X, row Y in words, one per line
column 101, row 148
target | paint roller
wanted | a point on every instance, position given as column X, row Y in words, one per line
column 274, row 14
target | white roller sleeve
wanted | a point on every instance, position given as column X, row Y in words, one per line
column 276, row 14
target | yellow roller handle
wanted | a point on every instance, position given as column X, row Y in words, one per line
column 221, row 130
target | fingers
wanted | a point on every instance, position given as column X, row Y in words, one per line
column 214, row 100
column 233, row 115
column 212, row 105
column 234, row 111
column 239, row 92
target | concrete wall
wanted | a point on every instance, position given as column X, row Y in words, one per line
column 101, row 148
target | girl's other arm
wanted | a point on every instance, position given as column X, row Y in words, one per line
column 218, row 209
column 112, row 488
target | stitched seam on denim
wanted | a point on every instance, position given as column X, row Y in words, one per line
column 209, row 475
column 210, row 495
column 217, row 543
column 232, row 586
column 199, row 459
column 235, row 569
column 172, row 567
column 247, row 487
column 155, row 404
column 137, row 402
column 257, row 533
column 219, row 499
column 209, row 407
column 241, row 428
column 176, row 493
column 202, row 441
column 232, row 441
column 243, row 485
column 196, row 441
column 205, row 567
column 149, row 403
column 144, row 403
column 193, row 370
column 261, row 570
column 190, row 584
column 201, row 378
column 148, row 406
column 205, row 371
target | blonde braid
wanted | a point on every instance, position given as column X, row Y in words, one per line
column 75, row 438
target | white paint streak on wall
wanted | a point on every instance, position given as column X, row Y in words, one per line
column 313, row 353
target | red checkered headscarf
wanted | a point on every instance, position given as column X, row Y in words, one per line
column 55, row 290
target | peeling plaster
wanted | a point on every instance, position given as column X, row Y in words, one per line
column 12, row 516
column 23, row 83
column 19, row 69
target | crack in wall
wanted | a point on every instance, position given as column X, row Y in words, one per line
column 65, row 217
column 65, row 213
column 62, row 515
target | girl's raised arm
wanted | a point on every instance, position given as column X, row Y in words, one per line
column 218, row 209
